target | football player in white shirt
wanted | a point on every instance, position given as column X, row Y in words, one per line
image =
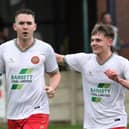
column 25, row 60
column 105, row 77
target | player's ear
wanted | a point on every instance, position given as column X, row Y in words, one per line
column 35, row 27
column 14, row 26
column 110, row 42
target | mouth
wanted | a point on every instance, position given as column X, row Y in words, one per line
column 95, row 47
column 25, row 33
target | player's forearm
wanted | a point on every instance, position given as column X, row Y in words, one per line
column 60, row 58
column 111, row 74
column 54, row 80
column 123, row 82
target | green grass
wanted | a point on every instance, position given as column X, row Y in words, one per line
column 63, row 126
column 2, row 127
column 60, row 126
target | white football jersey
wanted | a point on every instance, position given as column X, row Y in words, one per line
column 25, row 76
column 103, row 97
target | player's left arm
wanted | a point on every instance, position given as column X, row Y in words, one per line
column 54, row 80
column 113, row 75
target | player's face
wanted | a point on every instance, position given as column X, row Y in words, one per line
column 100, row 44
column 24, row 26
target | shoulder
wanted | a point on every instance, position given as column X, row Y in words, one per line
column 80, row 57
column 120, row 59
column 44, row 47
column 8, row 44
column 42, row 44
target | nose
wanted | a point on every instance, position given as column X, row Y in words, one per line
column 93, row 42
column 25, row 26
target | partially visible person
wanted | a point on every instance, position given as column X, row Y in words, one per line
column 105, row 77
column 4, row 31
column 25, row 61
column 107, row 19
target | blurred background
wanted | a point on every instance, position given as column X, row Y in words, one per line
column 66, row 25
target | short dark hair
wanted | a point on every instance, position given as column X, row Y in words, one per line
column 107, row 30
column 25, row 11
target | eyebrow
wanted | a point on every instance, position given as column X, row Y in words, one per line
column 96, row 39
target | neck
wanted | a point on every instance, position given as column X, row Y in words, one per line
column 102, row 58
column 24, row 44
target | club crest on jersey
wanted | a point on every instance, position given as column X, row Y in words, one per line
column 35, row 59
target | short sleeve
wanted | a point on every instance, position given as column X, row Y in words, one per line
column 50, row 63
column 76, row 61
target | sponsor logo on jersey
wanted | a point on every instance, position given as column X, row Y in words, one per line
column 35, row 59
column 24, row 76
column 102, row 90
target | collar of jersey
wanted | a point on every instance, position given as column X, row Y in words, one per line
column 26, row 48
column 106, row 59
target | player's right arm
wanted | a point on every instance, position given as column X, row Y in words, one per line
column 60, row 59
column 72, row 61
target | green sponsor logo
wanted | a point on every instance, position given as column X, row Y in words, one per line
column 96, row 99
column 25, row 71
column 102, row 90
column 16, row 86
column 103, row 85
column 24, row 76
